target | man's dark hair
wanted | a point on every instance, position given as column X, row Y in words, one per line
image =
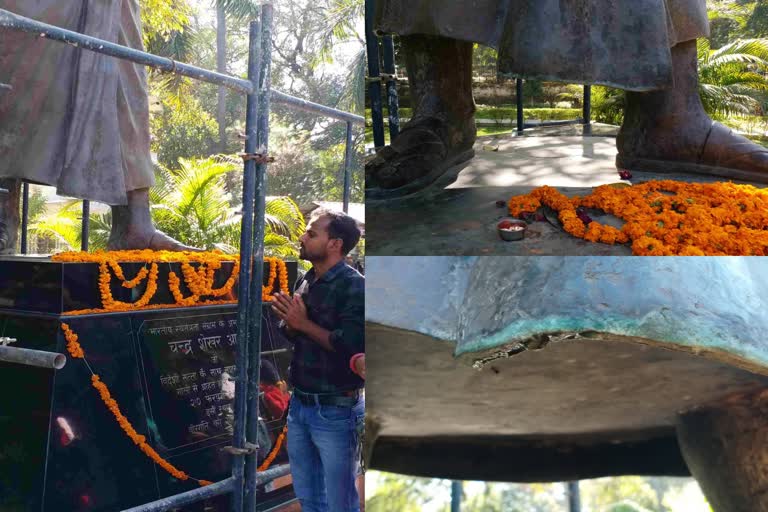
column 342, row 226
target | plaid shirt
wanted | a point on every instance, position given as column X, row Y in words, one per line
column 336, row 302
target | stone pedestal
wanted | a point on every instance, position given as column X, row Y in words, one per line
column 62, row 450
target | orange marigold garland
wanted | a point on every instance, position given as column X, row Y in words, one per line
column 119, row 274
column 198, row 280
column 276, row 266
column 76, row 350
column 73, row 347
column 275, row 449
column 174, row 283
column 666, row 217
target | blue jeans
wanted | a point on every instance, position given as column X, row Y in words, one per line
column 324, row 455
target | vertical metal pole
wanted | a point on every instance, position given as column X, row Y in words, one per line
column 574, row 497
column 347, row 163
column 519, row 98
column 587, row 106
column 255, row 306
column 85, row 225
column 388, row 45
column 246, row 253
column 374, row 85
column 24, row 216
column 456, row 496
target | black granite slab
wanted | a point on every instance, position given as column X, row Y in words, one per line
column 38, row 284
column 60, row 447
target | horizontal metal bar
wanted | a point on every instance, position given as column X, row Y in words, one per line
column 29, row 357
column 277, row 351
column 308, row 106
column 553, row 123
column 266, row 476
column 65, row 317
column 16, row 22
column 185, row 498
column 209, row 491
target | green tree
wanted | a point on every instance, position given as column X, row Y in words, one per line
column 190, row 204
column 603, row 493
column 182, row 129
column 733, row 77
column 607, row 105
column 400, row 493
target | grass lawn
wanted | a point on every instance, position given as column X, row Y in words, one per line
column 741, row 123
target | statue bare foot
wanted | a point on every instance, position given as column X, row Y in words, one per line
column 146, row 239
column 441, row 131
column 132, row 227
column 669, row 131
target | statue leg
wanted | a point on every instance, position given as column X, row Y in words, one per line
column 9, row 214
column 441, row 131
column 726, row 449
column 132, row 227
column 668, row 130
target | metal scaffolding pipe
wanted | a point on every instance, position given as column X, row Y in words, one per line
column 519, row 101
column 246, row 255
column 347, row 162
column 316, row 108
column 29, row 357
column 185, row 498
column 16, row 22
column 374, row 76
column 574, row 497
column 255, row 303
column 393, row 105
column 24, row 216
column 587, row 104
column 209, row 491
column 85, row 226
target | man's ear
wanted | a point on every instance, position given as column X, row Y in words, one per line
column 337, row 243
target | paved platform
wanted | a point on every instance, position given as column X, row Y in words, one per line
column 460, row 218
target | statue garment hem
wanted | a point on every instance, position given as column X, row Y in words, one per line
column 619, row 44
column 73, row 119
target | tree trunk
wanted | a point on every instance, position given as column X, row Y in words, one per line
column 221, row 67
column 726, row 449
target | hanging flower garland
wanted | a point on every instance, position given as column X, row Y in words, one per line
column 276, row 267
column 275, row 449
column 665, row 217
column 76, row 350
column 199, row 281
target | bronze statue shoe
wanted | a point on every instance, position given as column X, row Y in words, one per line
column 423, row 153
column 439, row 136
column 669, row 131
column 723, row 153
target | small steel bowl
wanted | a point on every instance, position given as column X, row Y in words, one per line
column 511, row 235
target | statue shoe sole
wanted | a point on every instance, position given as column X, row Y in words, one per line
column 677, row 166
column 439, row 177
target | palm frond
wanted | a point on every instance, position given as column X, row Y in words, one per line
column 732, row 78
column 239, row 9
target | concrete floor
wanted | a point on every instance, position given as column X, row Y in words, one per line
column 460, row 218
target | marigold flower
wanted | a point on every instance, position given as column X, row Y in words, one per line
column 666, row 217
